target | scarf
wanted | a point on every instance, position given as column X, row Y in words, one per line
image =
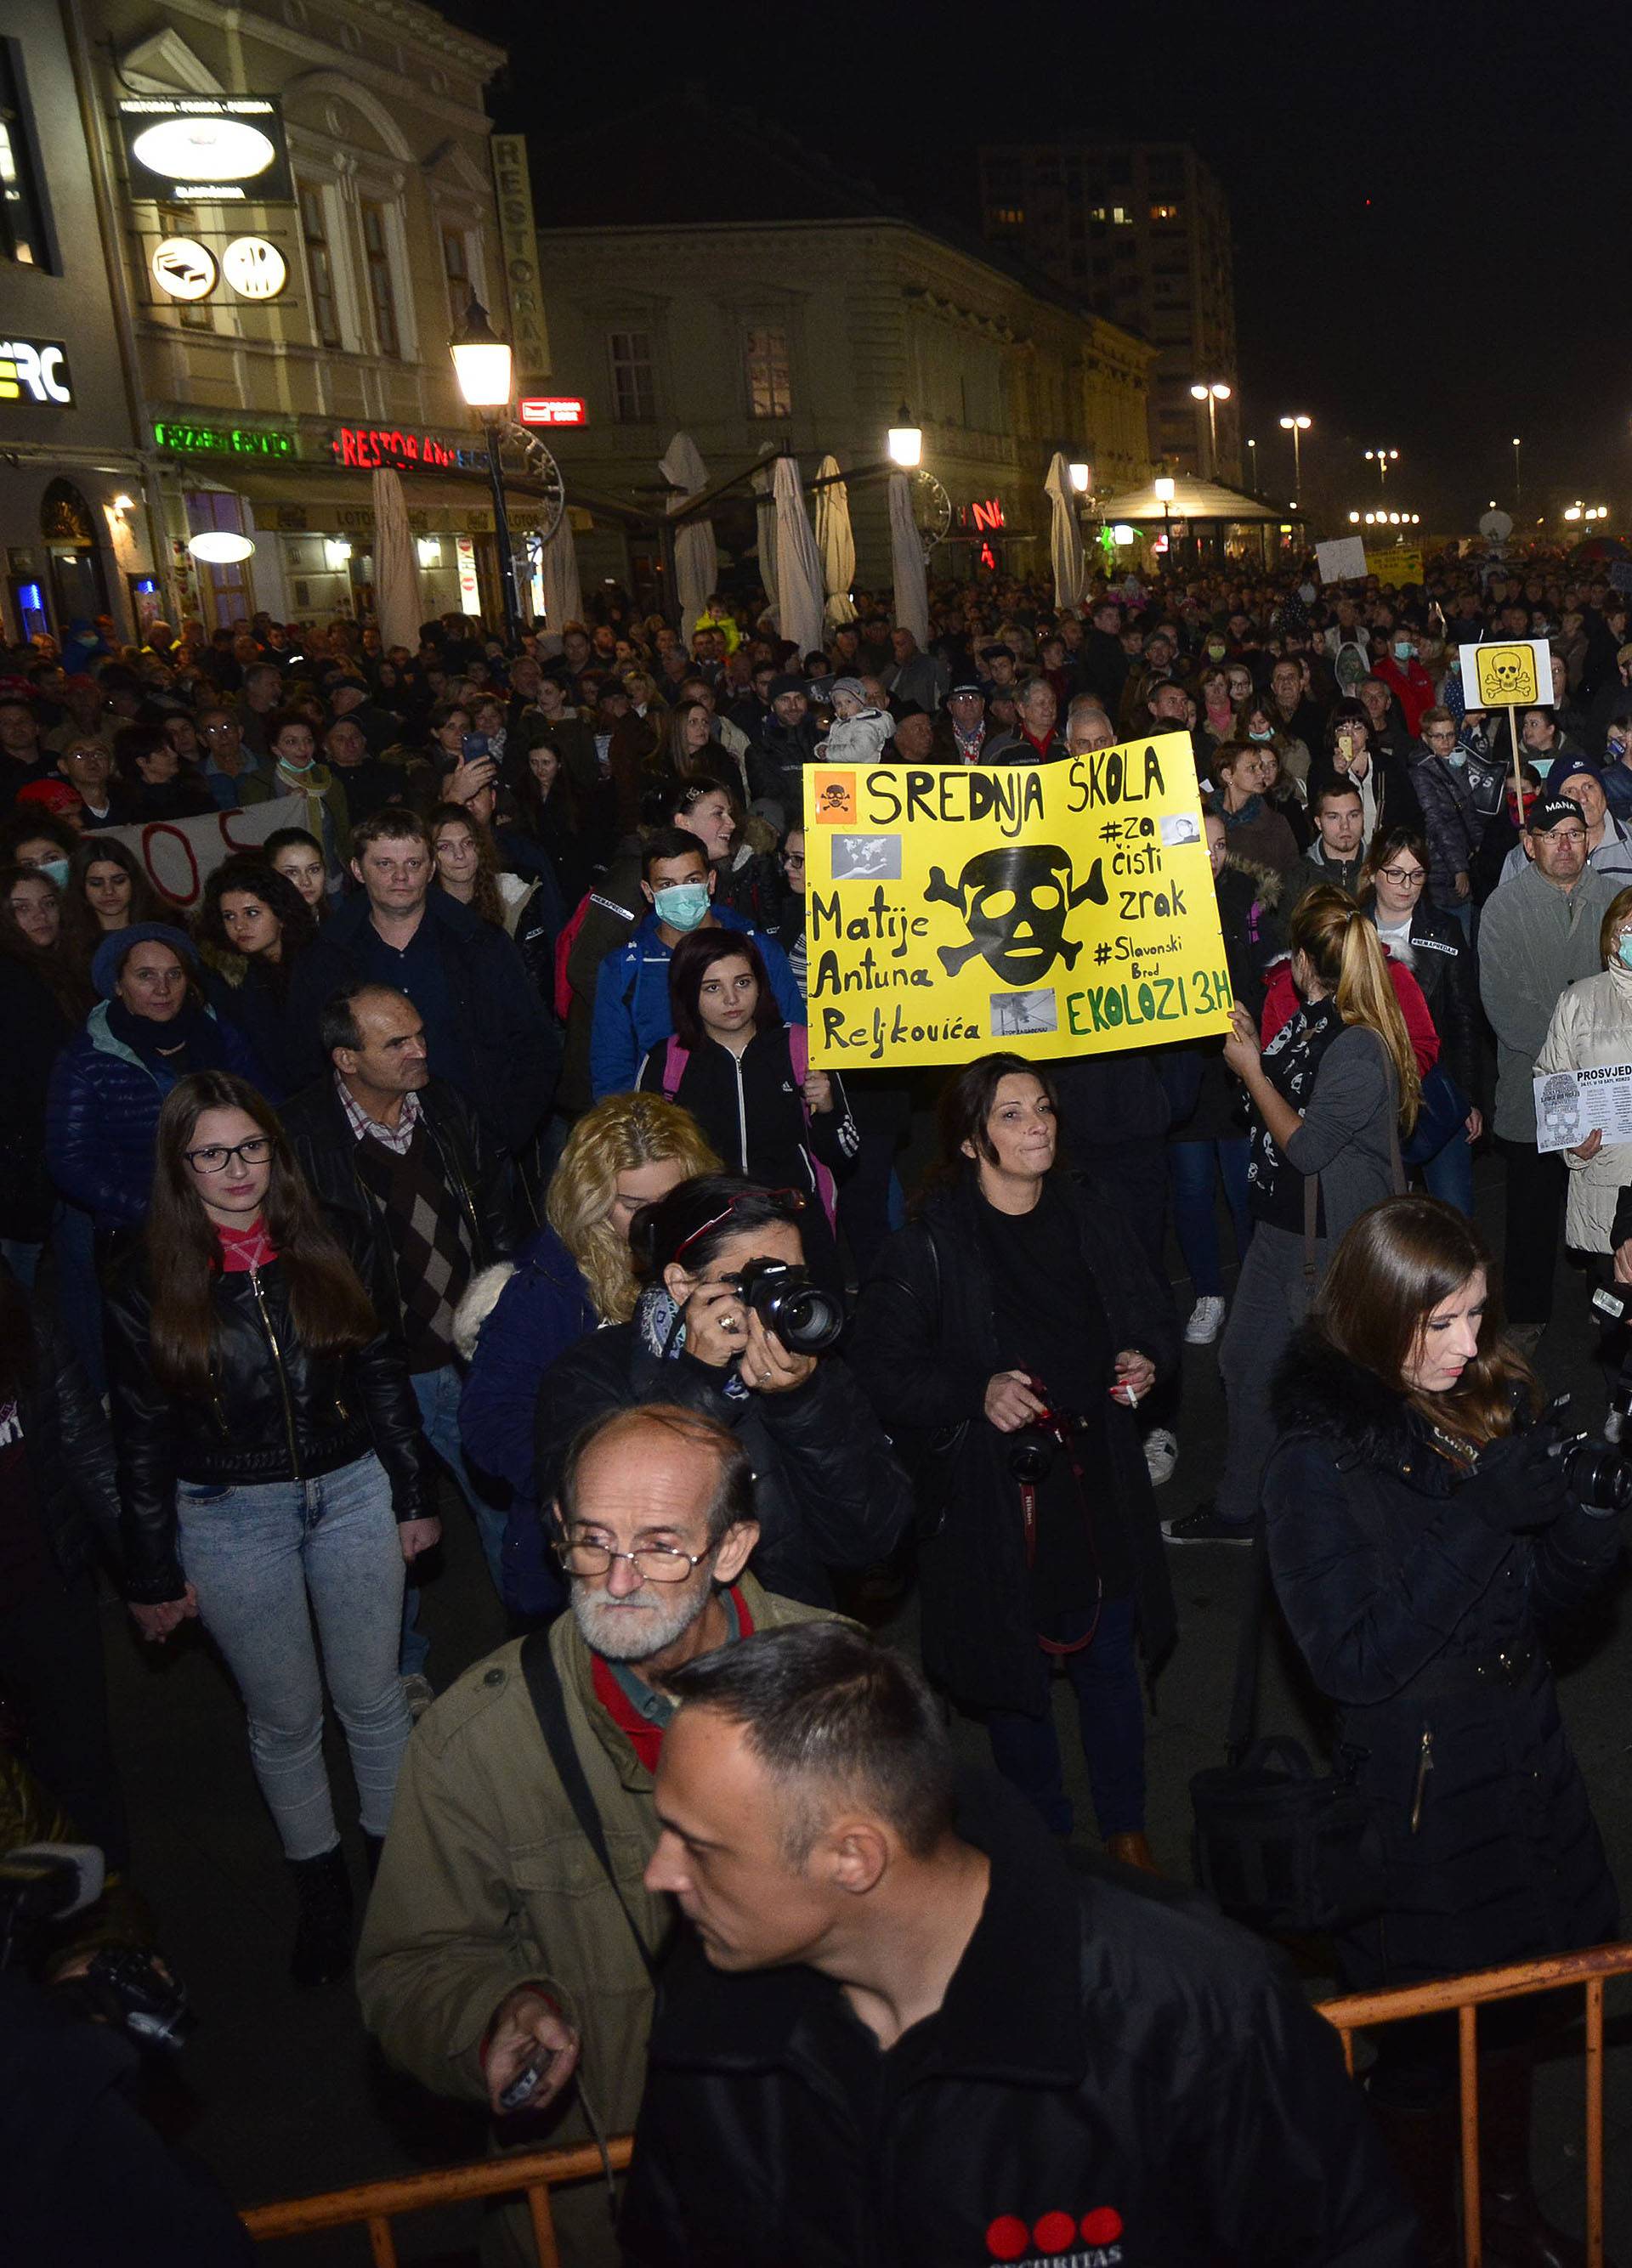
column 1249, row 811
column 191, row 1041
column 244, row 1250
column 1291, row 1065
column 659, row 1327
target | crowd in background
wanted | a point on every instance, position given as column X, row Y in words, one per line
column 449, row 1114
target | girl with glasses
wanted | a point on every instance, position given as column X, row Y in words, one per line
column 269, row 1471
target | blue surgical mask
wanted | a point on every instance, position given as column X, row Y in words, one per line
column 1260, row 736
column 1402, row 649
column 683, row 905
column 56, row 870
column 1456, row 759
column 1623, row 952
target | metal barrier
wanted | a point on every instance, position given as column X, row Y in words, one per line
column 1464, row 1996
column 375, row 2204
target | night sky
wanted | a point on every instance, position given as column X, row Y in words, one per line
column 1428, row 201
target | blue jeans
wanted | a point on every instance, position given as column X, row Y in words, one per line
column 263, row 1560
column 1111, row 1712
column 1449, row 1173
column 437, row 1393
column 1190, row 1166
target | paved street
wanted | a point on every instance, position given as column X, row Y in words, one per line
column 282, row 2092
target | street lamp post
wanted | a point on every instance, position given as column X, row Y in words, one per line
column 1519, row 477
column 1296, row 425
column 1252, row 464
column 482, row 364
column 1212, row 392
column 1384, row 459
column 1165, row 489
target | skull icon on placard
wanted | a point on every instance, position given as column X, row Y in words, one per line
column 1015, row 901
column 1509, row 669
column 1561, row 1111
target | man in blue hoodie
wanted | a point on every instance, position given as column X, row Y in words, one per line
column 631, row 1010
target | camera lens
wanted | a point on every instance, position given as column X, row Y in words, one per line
column 807, row 1320
column 1600, row 1476
column 1030, row 1458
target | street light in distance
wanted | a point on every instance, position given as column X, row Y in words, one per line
column 1212, row 391
column 482, row 364
column 905, row 441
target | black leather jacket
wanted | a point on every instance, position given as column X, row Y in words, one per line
column 275, row 1412
column 476, row 1171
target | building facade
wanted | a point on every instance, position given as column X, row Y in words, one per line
column 290, row 315
column 73, row 522
column 1141, row 230
column 809, row 335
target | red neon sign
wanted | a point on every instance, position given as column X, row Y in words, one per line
column 989, row 514
column 369, row 446
column 552, row 409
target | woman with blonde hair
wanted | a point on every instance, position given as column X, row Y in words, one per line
column 1331, row 1095
column 575, row 1274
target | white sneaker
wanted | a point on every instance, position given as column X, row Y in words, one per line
column 1207, row 1320
column 1161, row 1454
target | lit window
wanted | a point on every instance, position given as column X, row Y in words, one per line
column 1164, row 212
column 1120, row 217
column 381, row 283
column 770, row 386
column 26, row 234
column 634, row 394
column 320, row 267
column 1008, row 217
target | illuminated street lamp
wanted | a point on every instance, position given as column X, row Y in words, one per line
column 1353, row 520
column 1212, row 391
column 1519, row 478
column 1385, row 457
column 1163, row 486
column 1081, row 476
column 1296, row 425
column 905, row 441
column 482, row 364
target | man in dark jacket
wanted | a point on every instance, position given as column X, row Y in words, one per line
column 407, row 1174
column 489, row 1032
column 786, row 743
column 944, row 2034
column 1338, row 853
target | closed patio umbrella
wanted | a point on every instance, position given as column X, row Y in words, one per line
column 798, row 563
column 696, row 558
column 1065, row 548
column 906, row 559
column 836, row 541
column 397, row 609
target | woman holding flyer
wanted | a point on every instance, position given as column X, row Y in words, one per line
column 1591, row 1027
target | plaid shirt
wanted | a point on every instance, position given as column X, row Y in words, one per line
column 396, row 1137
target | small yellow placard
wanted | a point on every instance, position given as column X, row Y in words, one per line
column 1507, row 673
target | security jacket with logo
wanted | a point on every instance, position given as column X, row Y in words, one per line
column 1141, row 2072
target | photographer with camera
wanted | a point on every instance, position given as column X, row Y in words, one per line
column 1428, row 1533
column 1013, row 1328
column 729, row 1324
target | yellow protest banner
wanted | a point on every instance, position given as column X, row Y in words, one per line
column 1397, row 563
column 1050, row 910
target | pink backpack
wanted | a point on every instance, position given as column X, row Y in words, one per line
column 676, row 1057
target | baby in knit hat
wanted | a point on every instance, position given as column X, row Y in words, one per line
column 858, row 731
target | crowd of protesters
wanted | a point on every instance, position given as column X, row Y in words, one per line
column 454, row 1156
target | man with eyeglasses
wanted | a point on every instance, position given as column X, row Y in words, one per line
column 227, row 763
column 1450, row 820
column 510, row 1932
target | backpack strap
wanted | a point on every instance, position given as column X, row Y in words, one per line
column 675, row 1061
column 543, row 1685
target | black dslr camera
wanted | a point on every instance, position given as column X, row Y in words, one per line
column 125, row 1987
column 806, row 1319
column 1032, row 1452
column 1598, row 1473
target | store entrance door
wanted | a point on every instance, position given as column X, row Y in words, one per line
column 73, row 558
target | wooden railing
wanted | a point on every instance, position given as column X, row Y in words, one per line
column 1463, row 1997
column 376, row 2204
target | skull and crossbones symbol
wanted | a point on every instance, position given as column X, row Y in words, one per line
column 1506, row 665
column 1015, row 901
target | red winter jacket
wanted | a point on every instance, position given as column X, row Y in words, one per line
column 1280, row 1005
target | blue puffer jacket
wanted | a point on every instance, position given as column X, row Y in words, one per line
column 543, row 1309
column 101, row 1114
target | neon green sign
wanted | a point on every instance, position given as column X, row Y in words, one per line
column 224, row 440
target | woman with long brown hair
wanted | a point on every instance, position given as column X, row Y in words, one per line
column 268, row 1470
column 1331, row 1095
column 1425, row 1542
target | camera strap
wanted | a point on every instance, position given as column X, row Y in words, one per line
column 1028, row 1520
